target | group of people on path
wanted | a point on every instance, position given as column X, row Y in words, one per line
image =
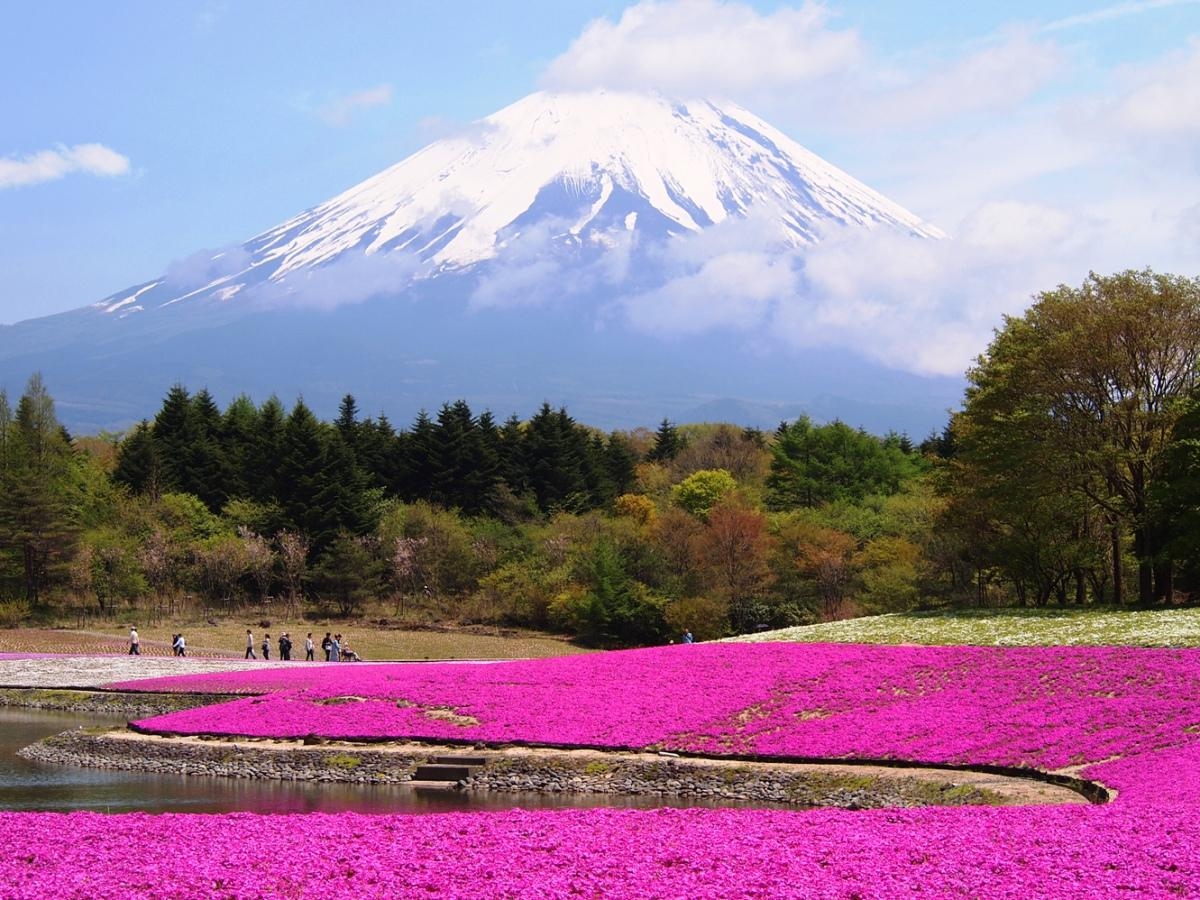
column 333, row 645
column 337, row 650
column 178, row 645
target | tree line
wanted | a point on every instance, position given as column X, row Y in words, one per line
column 1069, row 476
column 617, row 538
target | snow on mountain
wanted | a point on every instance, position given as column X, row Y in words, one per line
column 677, row 233
column 592, row 164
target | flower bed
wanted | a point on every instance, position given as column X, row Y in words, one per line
column 1125, row 717
column 982, row 852
column 1020, row 627
column 1037, row 707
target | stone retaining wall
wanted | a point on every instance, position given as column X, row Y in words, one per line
column 733, row 782
column 131, row 705
column 227, row 759
column 518, row 771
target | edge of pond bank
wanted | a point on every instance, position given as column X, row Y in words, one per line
column 130, row 704
column 841, row 784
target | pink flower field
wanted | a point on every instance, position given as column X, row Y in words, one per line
column 1127, row 718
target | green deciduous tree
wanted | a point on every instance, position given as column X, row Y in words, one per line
column 701, row 491
column 1068, row 413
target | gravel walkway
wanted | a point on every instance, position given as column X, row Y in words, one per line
column 97, row 671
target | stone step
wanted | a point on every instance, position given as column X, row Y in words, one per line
column 442, row 772
column 433, row 785
column 475, row 761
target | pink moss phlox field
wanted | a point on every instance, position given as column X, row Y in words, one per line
column 1042, row 707
column 1043, row 852
column 1127, row 718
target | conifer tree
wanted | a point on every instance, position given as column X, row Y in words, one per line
column 667, row 443
column 138, row 465
column 38, row 492
column 266, row 452
column 238, row 438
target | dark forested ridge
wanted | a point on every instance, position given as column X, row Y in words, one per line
column 1068, row 477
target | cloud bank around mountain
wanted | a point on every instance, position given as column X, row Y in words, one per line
column 1040, row 163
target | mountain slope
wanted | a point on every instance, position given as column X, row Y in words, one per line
column 582, row 196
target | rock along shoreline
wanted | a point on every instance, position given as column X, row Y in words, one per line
column 536, row 770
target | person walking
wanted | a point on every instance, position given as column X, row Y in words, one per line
column 327, row 646
column 135, row 645
column 250, row 645
column 266, row 646
column 335, row 649
column 308, row 648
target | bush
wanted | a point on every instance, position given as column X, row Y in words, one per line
column 706, row 618
column 701, row 491
column 13, row 613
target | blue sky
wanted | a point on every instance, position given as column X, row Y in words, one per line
column 136, row 133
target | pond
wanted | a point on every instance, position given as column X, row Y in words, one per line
column 26, row 785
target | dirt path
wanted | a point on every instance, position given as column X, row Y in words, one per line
column 96, row 671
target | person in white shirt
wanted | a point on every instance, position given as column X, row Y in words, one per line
column 250, row 645
column 135, row 647
column 308, row 648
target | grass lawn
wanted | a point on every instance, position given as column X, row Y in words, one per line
column 1007, row 628
column 228, row 638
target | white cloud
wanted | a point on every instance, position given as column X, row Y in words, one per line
column 349, row 280
column 795, row 61
column 734, row 291
column 539, row 264
column 925, row 306
column 439, row 128
column 1109, row 13
column 993, row 78
column 1159, row 101
column 206, row 266
column 1041, row 163
column 705, row 47
column 50, row 165
column 342, row 109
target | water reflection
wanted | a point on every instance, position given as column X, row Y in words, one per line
column 26, row 785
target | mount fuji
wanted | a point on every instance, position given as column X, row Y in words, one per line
column 551, row 251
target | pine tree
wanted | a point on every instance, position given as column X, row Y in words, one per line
column 238, row 438
column 174, row 432
column 322, row 490
column 419, row 453
column 138, row 465
column 266, row 452
column 667, row 443
column 39, row 493
column 554, row 450
column 206, row 474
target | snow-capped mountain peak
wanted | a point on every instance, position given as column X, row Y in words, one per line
column 694, row 163
column 626, row 254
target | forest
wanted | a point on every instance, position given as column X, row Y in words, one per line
column 1069, row 476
